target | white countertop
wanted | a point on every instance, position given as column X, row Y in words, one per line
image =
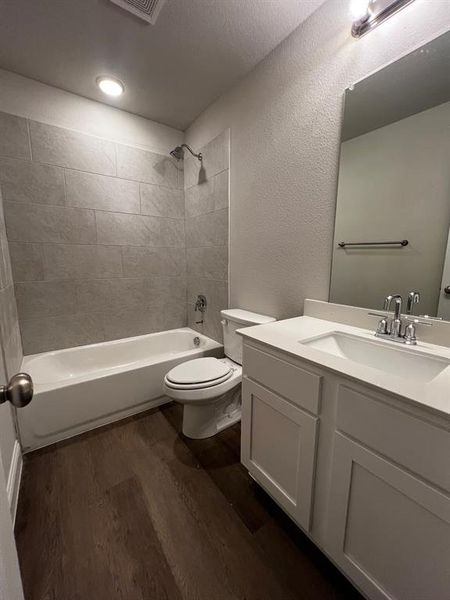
column 287, row 336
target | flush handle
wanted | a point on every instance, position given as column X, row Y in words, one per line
column 19, row 390
column 447, row 290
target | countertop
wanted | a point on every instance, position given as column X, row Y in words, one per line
column 288, row 334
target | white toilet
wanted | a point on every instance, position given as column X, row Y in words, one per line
column 210, row 388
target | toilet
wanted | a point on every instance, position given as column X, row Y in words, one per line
column 210, row 388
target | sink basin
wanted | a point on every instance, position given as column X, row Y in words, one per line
column 385, row 356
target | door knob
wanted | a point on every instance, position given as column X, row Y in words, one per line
column 447, row 290
column 19, row 390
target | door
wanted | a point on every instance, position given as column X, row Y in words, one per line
column 10, row 581
column 387, row 529
column 278, row 448
column 444, row 295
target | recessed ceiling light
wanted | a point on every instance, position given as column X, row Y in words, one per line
column 110, row 86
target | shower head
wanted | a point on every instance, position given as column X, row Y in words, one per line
column 178, row 152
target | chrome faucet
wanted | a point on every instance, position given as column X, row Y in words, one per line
column 413, row 298
column 200, row 306
column 391, row 327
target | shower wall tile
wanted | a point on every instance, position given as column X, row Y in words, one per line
column 140, row 261
column 36, row 299
column 210, row 229
column 127, row 230
column 208, row 196
column 209, row 263
column 161, row 201
column 127, row 323
column 25, row 181
column 98, row 295
column 56, row 224
column 71, row 149
column 207, row 209
column 145, row 166
column 53, row 333
column 27, row 261
column 66, row 261
column 86, row 190
column 9, row 321
column 14, row 139
column 216, row 158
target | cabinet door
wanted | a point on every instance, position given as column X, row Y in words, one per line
column 387, row 529
column 278, row 448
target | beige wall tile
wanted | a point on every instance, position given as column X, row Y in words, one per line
column 140, row 261
column 27, row 261
column 67, row 261
column 56, row 224
column 53, row 333
column 139, row 230
column 36, row 299
column 147, row 167
column 71, row 149
column 208, row 262
column 210, row 229
column 161, row 201
column 14, row 140
column 98, row 295
column 24, row 181
column 87, row 190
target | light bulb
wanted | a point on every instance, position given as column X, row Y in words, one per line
column 110, row 86
column 358, row 9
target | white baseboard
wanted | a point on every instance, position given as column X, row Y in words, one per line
column 15, row 473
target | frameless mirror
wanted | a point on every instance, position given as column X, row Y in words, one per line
column 393, row 202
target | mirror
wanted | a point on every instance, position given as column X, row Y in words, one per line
column 393, row 201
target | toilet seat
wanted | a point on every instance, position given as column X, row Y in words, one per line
column 207, row 391
column 198, row 374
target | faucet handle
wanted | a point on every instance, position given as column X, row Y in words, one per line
column 417, row 321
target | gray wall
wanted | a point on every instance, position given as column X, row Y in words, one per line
column 10, row 346
column 285, row 120
column 96, row 232
column 207, row 205
column 394, row 184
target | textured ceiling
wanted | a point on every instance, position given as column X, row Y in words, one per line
column 172, row 70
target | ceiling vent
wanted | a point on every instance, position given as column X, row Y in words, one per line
column 148, row 10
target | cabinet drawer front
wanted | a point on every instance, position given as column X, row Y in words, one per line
column 388, row 530
column 278, row 448
column 420, row 446
column 288, row 380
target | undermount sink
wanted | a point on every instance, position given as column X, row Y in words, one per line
column 395, row 360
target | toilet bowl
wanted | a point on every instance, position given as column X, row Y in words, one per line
column 210, row 388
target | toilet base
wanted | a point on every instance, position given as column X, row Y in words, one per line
column 205, row 420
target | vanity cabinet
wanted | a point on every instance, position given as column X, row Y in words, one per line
column 278, row 448
column 371, row 486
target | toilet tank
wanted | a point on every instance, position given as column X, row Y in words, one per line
column 234, row 319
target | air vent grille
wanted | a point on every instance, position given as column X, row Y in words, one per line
column 148, row 10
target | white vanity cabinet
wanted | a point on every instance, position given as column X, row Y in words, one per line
column 278, row 435
column 371, row 485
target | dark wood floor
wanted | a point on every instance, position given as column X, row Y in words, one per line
column 136, row 511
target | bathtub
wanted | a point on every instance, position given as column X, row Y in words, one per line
column 78, row 389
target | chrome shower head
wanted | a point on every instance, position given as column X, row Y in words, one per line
column 178, row 152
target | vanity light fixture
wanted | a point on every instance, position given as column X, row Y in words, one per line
column 110, row 86
column 376, row 12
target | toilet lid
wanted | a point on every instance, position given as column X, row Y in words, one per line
column 199, row 370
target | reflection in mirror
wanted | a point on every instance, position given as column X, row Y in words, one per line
column 394, row 186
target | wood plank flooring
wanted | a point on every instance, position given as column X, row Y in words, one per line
column 135, row 511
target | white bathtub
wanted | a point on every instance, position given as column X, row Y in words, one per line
column 81, row 388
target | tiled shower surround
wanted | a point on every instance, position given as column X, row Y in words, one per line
column 96, row 234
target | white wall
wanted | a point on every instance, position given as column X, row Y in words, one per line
column 394, row 184
column 28, row 98
column 285, row 120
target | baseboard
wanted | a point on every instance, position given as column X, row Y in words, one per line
column 13, row 485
